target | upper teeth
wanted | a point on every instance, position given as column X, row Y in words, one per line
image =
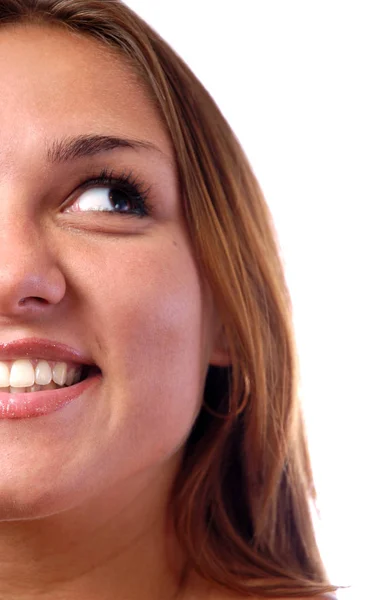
column 24, row 373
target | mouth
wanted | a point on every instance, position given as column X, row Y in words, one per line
column 23, row 403
column 38, row 377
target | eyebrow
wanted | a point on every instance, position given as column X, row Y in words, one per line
column 83, row 146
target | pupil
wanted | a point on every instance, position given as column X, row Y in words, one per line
column 119, row 200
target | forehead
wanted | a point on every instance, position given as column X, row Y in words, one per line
column 55, row 82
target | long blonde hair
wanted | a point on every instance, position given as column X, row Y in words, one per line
column 241, row 500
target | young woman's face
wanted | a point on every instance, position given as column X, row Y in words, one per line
column 85, row 263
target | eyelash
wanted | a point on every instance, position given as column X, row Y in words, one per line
column 134, row 189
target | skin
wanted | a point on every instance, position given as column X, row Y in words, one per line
column 84, row 490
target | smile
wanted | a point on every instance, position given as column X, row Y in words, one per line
column 32, row 385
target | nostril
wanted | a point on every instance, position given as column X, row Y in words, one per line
column 36, row 299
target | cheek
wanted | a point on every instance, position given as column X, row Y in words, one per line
column 155, row 345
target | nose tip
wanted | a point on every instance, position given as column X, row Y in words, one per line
column 29, row 293
column 30, row 279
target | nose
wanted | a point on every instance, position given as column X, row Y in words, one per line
column 31, row 282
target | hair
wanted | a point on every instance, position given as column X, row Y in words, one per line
column 242, row 498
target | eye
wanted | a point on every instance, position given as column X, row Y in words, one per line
column 107, row 193
column 107, row 200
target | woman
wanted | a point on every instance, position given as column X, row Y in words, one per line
column 152, row 444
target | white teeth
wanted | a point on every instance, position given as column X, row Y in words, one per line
column 59, row 373
column 21, row 374
column 43, row 373
column 4, row 375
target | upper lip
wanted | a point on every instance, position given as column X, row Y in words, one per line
column 44, row 349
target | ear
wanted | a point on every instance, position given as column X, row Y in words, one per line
column 220, row 356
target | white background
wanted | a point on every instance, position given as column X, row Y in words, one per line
column 289, row 75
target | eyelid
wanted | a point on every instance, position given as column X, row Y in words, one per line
column 110, row 177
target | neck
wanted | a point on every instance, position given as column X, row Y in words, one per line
column 117, row 545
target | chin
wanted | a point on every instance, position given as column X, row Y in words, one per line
column 35, row 492
column 19, row 502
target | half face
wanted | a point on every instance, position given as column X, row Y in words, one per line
column 94, row 255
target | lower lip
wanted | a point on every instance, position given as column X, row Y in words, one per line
column 37, row 404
